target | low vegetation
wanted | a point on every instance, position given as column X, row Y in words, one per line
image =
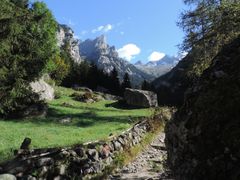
column 157, row 123
column 84, row 122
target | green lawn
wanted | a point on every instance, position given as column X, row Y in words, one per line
column 89, row 122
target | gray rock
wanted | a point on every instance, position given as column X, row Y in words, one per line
column 39, row 110
column 44, row 171
column 140, row 98
column 93, row 154
column 7, row 177
column 66, row 34
column 85, row 89
column 45, row 91
column 117, row 146
column 44, row 162
column 62, row 169
column 66, row 120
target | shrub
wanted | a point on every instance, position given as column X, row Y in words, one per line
column 83, row 97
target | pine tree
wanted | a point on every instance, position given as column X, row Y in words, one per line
column 146, row 86
column 114, row 82
column 208, row 27
column 126, row 82
column 28, row 42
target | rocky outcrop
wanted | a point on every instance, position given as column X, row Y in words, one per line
column 45, row 91
column 66, row 35
column 203, row 138
column 140, row 98
column 97, row 51
column 67, row 163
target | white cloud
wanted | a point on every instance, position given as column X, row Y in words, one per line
column 103, row 29
column 129, row 51
column 155, row 56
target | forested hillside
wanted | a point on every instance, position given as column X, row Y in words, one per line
column 208, row 27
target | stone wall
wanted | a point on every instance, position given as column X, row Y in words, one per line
column 73, row 162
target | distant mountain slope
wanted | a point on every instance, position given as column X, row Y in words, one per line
column 158, row 68
column 172, row 86
column 155, row 71
column 106, row 58
column 166, row 60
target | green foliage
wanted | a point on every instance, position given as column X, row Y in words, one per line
column 126, row 82
column 208, row 27
column 58, row 69
column 146, row 86
column 20, row 3
column 115, row 83
column 89, row 75
column 27, row 42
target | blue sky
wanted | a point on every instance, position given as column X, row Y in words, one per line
column 139, row 29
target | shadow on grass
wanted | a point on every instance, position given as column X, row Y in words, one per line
column 87, row 118
column 122, row 105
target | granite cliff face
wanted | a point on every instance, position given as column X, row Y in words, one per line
column 66, row 35
column 97, row 51
column 203, row 138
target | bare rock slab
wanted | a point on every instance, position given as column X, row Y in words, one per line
column 140, row 98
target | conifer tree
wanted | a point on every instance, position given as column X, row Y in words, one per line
column 28, row 41
column 126, row 82
column 114, row 82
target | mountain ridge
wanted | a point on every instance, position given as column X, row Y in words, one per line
column 106, row 57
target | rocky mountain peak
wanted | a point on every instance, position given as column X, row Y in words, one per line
column 66, row 35
column 106, row 57
column 138, row 63
column 101, row 42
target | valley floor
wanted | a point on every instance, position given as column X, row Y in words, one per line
column 68, row 122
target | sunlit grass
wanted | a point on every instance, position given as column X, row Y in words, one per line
column 89, row 122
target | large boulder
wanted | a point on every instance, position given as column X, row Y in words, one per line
column 45, row 91
column 7, row 177
column 203, row 140
column 140, row 98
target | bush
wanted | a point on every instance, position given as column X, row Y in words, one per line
column 83, row 97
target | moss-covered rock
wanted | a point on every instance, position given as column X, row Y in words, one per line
column 203, row 140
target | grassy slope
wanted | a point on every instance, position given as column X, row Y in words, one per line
column 89, row 122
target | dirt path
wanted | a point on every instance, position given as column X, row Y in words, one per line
column 148, row 165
